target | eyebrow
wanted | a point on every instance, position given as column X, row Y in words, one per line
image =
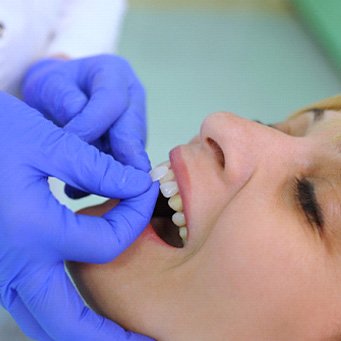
column 318, row 114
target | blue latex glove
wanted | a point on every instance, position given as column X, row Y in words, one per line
column 98, row 98
column 37, row 233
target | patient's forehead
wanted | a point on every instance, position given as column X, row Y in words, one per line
column 326, row 120
column 327, row 129
column 327, row 123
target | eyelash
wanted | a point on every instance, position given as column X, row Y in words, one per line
column 305, row 196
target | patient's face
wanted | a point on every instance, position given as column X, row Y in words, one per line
column 262, row 261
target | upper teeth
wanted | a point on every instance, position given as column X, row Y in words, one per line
column 175, row 203
column 169, row 189
column 178, row 219
column 159, row 172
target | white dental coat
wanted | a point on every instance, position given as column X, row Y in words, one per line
column 32, row 29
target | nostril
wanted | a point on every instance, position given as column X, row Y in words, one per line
column 218, row 152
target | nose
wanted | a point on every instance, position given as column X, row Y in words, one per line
column 244, row 143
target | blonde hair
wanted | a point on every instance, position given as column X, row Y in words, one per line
column 330, row 103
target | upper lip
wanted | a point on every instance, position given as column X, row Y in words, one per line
column 181, row 173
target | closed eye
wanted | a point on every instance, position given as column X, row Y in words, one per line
column 306, row 197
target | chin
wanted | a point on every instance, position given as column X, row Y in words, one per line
column 126, row 290
column 109, row 290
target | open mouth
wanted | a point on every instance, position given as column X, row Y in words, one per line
column 168, row 220
column 163, row 225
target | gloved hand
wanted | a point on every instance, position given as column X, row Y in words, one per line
column 37, row 233
column 97, row 98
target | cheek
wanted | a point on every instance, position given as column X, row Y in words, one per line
column 262, row 261
column 262, row 266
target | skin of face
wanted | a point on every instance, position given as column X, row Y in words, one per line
column 255, row 267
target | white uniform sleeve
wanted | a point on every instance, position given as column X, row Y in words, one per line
column 87, row 27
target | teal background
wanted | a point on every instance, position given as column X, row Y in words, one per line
column 322, row 19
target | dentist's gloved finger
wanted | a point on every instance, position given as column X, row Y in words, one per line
column 103, row 145
column 58, row 97
column 128, row 134
column 108, row 99
column 73, row 161
column 131, row 216
column 75, row 321
column 93, row 239
column 26, row 321
column 130, row 151
column 65, row 102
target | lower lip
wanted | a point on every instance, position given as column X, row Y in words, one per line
column 150, row 234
